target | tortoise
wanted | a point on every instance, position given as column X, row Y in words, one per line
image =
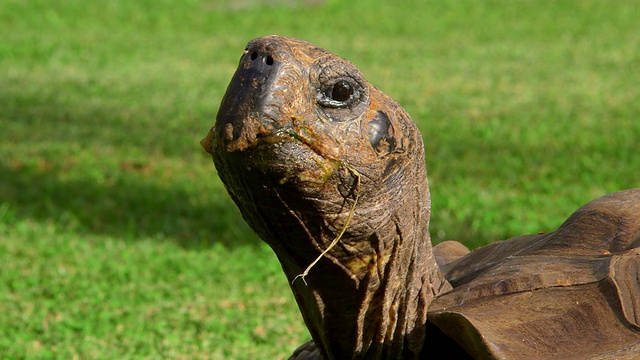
column 330, row 172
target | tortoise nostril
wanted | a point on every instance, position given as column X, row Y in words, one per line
column 265, row 58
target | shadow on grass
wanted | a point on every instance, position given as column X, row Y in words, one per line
column 61, row 121
column 126, row 207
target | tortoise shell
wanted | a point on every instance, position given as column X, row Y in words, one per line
column 573, row 293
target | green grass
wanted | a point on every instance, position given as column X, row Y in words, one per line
column 118, row 241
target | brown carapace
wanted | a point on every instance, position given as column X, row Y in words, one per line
column 326, row 167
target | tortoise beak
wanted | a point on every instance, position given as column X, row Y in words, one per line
column 207, row 142
column 240, row 119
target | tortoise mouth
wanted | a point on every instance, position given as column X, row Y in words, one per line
column 270, row 139
column 207, row 142
column 275, row 157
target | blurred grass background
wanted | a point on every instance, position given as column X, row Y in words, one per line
column 118, row 240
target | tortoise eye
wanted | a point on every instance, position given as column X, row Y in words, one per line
column 341, row 94
column 341, row 91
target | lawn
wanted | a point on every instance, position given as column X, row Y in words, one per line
column 117, row 239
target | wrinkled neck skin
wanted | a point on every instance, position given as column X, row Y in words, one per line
column 367, row 298
column 374, row 305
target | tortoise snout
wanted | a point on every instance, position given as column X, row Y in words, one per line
column 250, row 94
column 261, row 56
column 259, row 59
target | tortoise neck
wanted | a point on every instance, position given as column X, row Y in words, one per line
column 375, row 306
